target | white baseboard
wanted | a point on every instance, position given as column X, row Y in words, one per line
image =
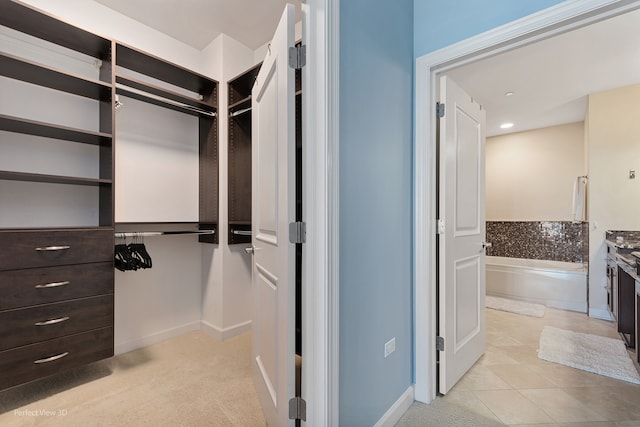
column 600, row 313
column 222, row 334
column 148, row 340
column 397, row 410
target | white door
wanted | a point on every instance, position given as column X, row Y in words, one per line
column 273, row 202
column 461, row 280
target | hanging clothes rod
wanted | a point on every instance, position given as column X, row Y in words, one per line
column 159, row 233
column 241, row 232
column 165, row 100
column 237, row 113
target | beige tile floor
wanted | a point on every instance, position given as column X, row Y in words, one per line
column 510, row 385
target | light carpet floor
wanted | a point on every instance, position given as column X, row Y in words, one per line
column 514, row 306
column 591, row 353
column 190, row 380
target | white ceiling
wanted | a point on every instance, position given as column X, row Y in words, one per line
column 552, row 78
column 198, row 22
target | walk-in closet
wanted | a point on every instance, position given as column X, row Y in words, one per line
column 125, row 193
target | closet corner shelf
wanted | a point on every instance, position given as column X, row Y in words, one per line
column 39, row 74
column 48, row 130
column 52, row 179
column 242, row 104
column 29, row 20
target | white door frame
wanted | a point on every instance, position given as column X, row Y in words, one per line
column 557, row 19
column 320, row 306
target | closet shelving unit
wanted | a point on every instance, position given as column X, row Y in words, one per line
column 239, row 162
column 195, row 95
column 56, row 282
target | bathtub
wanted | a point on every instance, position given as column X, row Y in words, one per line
column 555, row 284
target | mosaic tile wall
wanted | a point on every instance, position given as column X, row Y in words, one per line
column 548, row 240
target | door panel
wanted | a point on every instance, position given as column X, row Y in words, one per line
column 467, row 295
column 467, row 170
column 273, row 192
column 461, row 279
column 268, row 158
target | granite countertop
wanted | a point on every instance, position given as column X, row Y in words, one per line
column 623, row 239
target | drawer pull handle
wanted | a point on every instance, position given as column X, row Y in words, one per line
column 52, row 358
column 53, row 285
column 53, row 248
column 52, row 321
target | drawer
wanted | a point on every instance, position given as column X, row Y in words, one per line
column 36, row 361
column 45, row 322
column 48, row 248
column 34, row 286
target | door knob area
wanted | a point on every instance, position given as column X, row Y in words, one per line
column 486, row 245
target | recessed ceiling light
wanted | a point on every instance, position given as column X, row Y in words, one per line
column 509, row 93
column 506, row 125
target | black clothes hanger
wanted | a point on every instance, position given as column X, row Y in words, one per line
column 132, row 256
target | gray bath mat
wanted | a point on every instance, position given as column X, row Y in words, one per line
column 513, row 306
column 592, row 353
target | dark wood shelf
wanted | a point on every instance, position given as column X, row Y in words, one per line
column 163, row 227
column 48, row 130
column 29, row 20
column 239, row 156
column 144, row 63
column 49, row 228
column 241, row 85
column 52, row 179
column 32, row 72
column 243, row 103
column 164, row 93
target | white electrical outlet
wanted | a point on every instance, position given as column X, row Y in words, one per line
column 389, row 347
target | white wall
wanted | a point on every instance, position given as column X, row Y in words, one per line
column 613, row 138
column 157, row 164
column 227, row 298
column 164, row 301
column 530, row 175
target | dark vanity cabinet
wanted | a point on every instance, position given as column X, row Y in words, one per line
column 637, row 318
column 626, row 305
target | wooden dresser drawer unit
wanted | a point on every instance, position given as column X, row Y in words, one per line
column 44, row 322
column 56, row 301
column 28, row 363
column 29, row 249
column 34, row 286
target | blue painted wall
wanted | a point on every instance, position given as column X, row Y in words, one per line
column 439, row 23
column 379, row 41
column 376, row 92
